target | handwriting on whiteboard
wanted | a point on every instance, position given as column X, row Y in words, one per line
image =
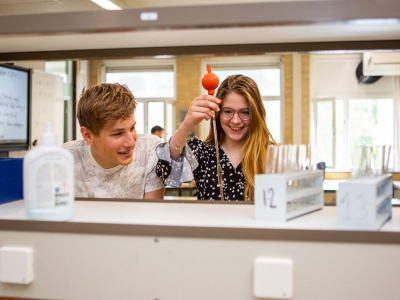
column 13, row 104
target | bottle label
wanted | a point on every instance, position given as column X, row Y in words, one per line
column 53, row 189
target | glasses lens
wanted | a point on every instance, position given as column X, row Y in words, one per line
column 244, row 115
column 227, row 114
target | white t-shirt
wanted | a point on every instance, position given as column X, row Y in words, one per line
column 123, row 181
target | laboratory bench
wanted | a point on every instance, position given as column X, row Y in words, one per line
column 182, row 191
column 185, row 249
column 330, row 187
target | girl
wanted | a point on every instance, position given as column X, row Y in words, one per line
column 243, row 138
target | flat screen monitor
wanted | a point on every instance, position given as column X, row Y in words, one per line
column 15, row 102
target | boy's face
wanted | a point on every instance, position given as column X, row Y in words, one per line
column 114, row 145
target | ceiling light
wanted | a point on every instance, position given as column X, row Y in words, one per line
column 387, row 21
column 107, row 4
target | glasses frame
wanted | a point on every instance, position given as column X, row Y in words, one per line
column 234, row 112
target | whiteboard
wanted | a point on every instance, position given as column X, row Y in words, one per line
column 13, row 105
column 47, row 105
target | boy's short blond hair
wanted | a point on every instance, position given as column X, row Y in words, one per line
column 103, row 105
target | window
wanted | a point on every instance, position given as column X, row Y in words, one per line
column 152, row 82
column 344, row 123
column 266, row 72
column 347, row 114
column 325, row 131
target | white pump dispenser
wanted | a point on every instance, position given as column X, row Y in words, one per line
column 49, row 180
column 48, row 136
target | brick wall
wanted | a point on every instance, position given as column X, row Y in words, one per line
column 305, row 102
column 288, row 99
column 188, row 78
column 94, row 72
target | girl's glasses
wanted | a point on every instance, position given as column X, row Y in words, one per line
column 227, row 113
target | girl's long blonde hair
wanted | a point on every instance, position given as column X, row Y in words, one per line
column 258, row 138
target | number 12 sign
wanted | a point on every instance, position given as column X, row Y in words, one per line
column 280, row 197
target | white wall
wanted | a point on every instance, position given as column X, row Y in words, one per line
column 335, row 75
column 81, row 82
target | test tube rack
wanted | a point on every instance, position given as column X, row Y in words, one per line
column 364, row 203
column 281, row 197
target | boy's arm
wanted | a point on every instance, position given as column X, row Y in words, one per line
column 153, row 185
column 157, row 194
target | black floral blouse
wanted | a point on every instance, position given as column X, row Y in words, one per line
column 198, row 161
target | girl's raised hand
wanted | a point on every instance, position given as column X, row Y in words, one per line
column 201, row 108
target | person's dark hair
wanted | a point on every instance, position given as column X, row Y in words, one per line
column 104, row 105
column 156, row 128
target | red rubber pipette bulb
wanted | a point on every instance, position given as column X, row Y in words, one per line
column 210, row 81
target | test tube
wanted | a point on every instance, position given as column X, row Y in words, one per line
column 282, row 158
column 378, row 160
column 387, row 158
column 272, row 159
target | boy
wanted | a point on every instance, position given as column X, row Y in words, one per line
column 112, row 160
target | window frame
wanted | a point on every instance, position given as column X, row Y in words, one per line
column 315, row 117
column 155, row 64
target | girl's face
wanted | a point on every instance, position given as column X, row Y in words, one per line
column 234, row 109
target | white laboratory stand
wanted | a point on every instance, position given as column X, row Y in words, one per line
column 281, row 197
column 365, row 203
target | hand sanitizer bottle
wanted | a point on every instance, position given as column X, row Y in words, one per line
column 48, row 180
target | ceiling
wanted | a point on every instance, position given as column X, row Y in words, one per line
column 22, row 7
column 44, row 26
